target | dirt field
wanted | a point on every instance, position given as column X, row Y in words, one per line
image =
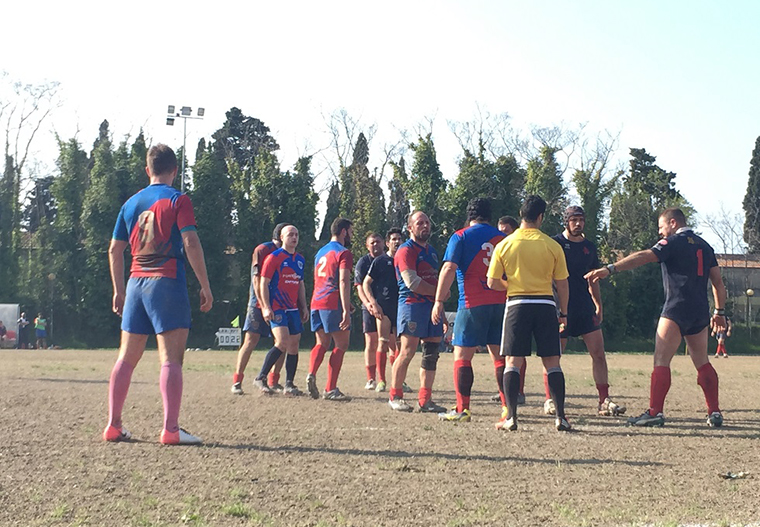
column 283, row 461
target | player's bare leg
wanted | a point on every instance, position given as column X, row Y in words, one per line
column 250, row 340
column 430, row 354
column 370, row 359
column 130, row 352
column 407, row 349
column 594, row 342
column 171, row 354
column 383, row 345
column 707, row 377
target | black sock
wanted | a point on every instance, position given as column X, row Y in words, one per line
column 291, row 365
column 557, row 390
column 269, row 361
column 511, row 389
column 500, row 379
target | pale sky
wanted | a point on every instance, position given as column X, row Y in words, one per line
column 679, row 78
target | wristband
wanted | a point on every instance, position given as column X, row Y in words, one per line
column 562, row 315
column 611, row 268
column 720, row 312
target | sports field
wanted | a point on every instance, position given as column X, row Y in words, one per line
column 296, row 461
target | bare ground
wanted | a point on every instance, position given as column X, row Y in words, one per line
column 285, row 461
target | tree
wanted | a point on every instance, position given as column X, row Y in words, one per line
column 544, row 178
column 398, row 203
column 752, row 202
column 40, row 208
column 242, row 138
column 332, row 211
column 426, row 188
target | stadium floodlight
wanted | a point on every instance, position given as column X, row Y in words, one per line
column 185, row 113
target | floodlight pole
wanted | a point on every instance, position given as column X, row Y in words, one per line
column 185, row 113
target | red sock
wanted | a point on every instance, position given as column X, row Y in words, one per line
column 546, row 386
column 371, row 373
column 237, row 377
column 397, row 393
column 463, row 383
column 522, row 377
column 382, row 358
column 499, row 365
column 424, row 395
column 458, row 364
column 121, row 376
column 604, row 392
column 707, row 378
column 170, row 382
column 392, row 356
column 315, row 359
column 273, row 378
column 333, row 369
column 658, row 389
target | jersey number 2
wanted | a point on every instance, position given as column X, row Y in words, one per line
column 321, row 264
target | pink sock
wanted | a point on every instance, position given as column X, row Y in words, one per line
column 121, row 376
column 171, row 392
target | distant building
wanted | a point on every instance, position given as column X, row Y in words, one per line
column 741, row 272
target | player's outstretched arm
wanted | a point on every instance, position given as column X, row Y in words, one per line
column 194, row 252
column 443, row 290
column 718, row 319
column 632, row 261
column 116, row 264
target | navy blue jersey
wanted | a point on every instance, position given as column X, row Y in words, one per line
column 361, row 269
column 686, row 260
column 384, row 284
column 581, row 257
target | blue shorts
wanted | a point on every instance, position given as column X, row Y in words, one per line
column 328, row 320
column 255, row 323
column 290, row 319
column 478, row 326
column 41, row 333
column 414, row 320
column 155, row 305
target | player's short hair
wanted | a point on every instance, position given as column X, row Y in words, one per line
column 674, row 213
column 479, row 209
column 278, row 230
column 392, row 231
column 373, row 235
column 572, row 211
column 509, row 220
column 161, row 159
column 532, row 208
column 339, row 225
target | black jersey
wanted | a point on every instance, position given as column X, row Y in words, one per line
column 384, row 284
column 686, row 260
column 361, row 269
column 581, row 257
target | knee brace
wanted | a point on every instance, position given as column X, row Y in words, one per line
column 430, row 355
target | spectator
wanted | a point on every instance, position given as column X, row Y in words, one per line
column 3, row 331
column 40, row 326
column 22, row 339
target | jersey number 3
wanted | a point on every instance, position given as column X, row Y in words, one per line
column 488, row 248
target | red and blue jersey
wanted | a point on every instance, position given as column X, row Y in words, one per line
column 413, row 261
column 152, row 221
column 260, row 254
column 470, row 249
column 328, row 262
column 285, row 272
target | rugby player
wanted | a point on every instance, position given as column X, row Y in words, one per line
column 687, row 262
column 375, row 247
column 381, row 292
column 283, row 306
column 331, row 308
column 255, row 327
column 416, row 264
column 721, row 337
column 480, row 310
column 531, row 260
column 507, row 225
column 584, row 311
column 157, row 223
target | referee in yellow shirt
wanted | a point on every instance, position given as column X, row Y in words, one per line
column 530, row 260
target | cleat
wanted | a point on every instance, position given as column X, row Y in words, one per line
column 291, row 390
column 277, row 388
column 237, row 388
column 380, row 387
column 452, row 415
column 647, row 419
column 430, row 407
column 562, row 424
column 717, row 355
column 496, row 398
column 113, row 434
column 262, row 386
column 520, row 398
column 406, row 388
column 371, row 385
column 608, row 407
column 715, row 420
column 725, row 355
column 507, row 424
column 336, row 395
column 549, row 407
column 311, row 386
column 181, row 437
column 399, row 405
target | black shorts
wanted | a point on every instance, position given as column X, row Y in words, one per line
column 528, row 318
column 369, row 323
column 689, row 325
column 580, row 321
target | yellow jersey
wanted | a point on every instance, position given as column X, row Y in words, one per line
column 530, row 260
